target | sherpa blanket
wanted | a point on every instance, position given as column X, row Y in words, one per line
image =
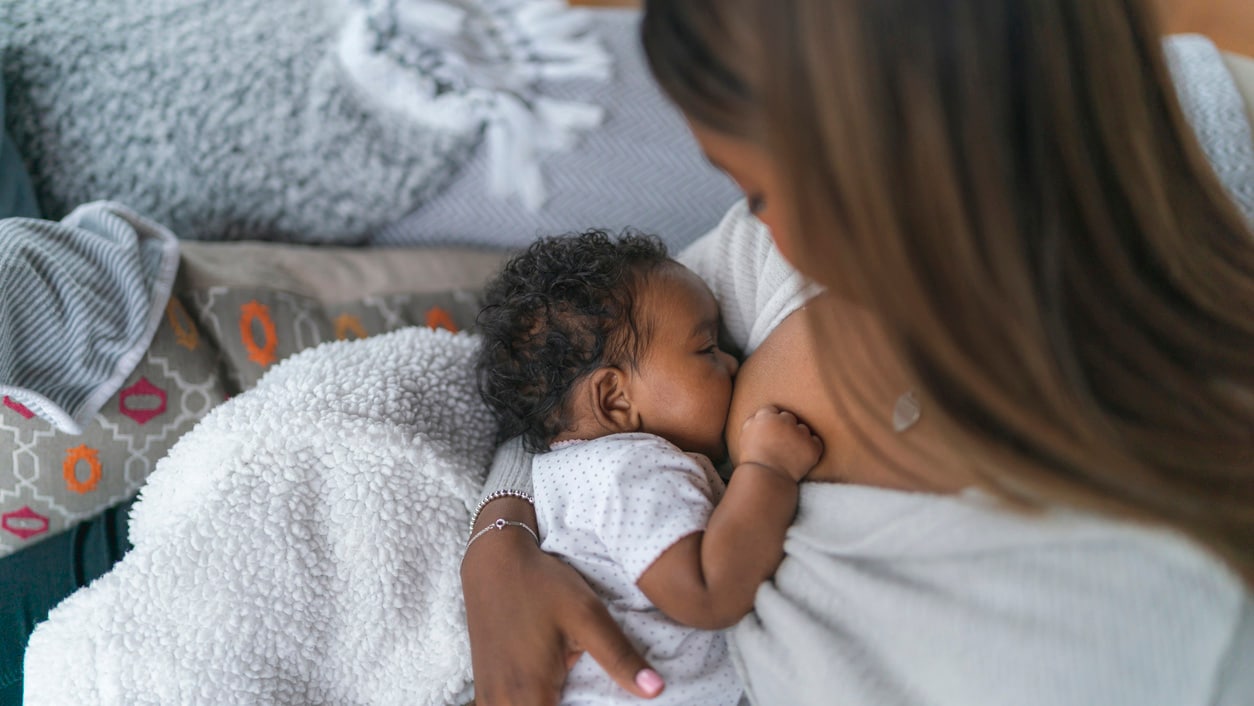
column 299, row 546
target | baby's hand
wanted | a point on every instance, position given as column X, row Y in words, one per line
column 775, row 439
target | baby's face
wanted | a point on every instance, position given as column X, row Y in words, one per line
column 684, row 382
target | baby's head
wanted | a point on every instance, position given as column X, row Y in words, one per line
column 587, row 335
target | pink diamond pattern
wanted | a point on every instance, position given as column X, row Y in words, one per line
column 24, row 523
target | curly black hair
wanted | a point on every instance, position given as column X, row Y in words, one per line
column 556, row 312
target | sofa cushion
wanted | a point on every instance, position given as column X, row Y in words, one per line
column 238, row 309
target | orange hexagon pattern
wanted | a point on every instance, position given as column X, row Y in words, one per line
column 69, row 468
column 261, row 354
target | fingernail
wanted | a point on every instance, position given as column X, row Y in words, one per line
column 649, row 680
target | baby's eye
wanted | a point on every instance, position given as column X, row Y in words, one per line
column 710, row 350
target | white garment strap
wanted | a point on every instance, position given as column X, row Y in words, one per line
column 1213, row 104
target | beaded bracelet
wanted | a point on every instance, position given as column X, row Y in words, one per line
column 474, row 516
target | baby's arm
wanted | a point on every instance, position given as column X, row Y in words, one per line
column 708, row 579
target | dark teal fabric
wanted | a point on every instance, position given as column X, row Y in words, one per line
column 17, row 198
column 35, row 579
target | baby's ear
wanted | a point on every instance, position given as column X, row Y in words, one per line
column 611, row 401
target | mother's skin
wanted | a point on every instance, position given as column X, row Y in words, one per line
column 850, row 412
column 860, row 446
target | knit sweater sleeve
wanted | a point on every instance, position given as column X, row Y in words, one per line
column 755, row 287
column 510, row 472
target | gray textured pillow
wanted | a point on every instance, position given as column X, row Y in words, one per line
column 217, row 118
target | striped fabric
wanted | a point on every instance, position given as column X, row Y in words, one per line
column 79, row 302
column 1213, row 104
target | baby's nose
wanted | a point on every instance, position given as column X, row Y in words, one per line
column 733, row 365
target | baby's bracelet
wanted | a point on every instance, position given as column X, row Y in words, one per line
column 500, row 524
column 474, row 516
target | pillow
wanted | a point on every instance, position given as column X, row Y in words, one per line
column 232, row 119
column 221, row 119
column 262, row 302
column 238, row 308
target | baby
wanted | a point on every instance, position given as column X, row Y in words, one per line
column 602, row 353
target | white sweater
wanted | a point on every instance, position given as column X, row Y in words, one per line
column 887, row 597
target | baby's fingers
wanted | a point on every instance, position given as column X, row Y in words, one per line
column 762, row 414
column 803, row 431
column 770, row 414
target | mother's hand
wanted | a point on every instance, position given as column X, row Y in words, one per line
column 531, row 616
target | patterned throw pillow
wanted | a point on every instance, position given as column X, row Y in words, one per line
column 238, row 309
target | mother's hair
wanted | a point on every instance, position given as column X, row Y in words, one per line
column 1011, row 187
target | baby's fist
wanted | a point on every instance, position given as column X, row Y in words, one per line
column 776, row 439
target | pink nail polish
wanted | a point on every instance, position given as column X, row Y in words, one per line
column 650, row 681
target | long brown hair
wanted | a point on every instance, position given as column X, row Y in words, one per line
column 1011, row 187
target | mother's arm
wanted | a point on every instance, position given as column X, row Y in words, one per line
column 529, row 614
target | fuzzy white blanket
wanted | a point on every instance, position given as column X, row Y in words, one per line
column 299, row 546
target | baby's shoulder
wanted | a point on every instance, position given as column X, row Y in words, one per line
column 620, row 457
column 643, row 451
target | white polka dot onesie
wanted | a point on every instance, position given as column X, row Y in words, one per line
column 610, row 507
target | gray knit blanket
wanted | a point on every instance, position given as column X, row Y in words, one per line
column 230, row 119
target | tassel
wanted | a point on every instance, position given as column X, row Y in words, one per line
column 454, row 66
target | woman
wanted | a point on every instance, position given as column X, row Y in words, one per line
column 1033, row 369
